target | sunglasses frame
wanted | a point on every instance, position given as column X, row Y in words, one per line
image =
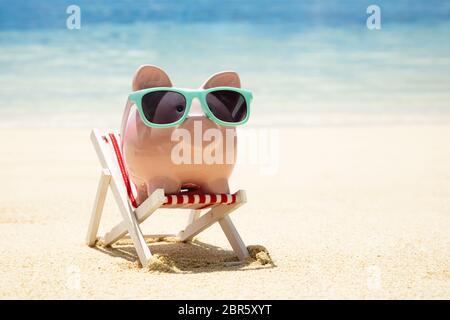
column 189, row 95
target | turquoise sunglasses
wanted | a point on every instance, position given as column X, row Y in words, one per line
column 164, row 107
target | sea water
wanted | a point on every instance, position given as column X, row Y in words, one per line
column 307, row 63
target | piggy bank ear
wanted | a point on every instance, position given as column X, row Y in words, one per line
column 148, row 76
column 223, row 79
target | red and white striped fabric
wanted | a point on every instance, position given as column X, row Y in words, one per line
column 189, row 200
column 193, row 199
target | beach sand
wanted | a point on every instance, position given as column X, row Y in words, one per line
column 353, row 212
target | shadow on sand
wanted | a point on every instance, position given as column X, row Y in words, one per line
column 173, row 256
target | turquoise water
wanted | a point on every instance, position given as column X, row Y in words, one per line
column 300, row 73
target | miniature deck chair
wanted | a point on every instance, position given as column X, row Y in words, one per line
column 115, row 177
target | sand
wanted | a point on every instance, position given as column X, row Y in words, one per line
column 352, row 212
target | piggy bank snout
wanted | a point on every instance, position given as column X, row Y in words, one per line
column 198, row 122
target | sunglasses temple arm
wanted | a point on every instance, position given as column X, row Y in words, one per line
column 126, row 114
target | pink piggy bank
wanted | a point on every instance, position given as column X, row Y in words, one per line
column 152, row 154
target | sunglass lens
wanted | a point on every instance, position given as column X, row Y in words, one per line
column 163, row 107
column 226, row 105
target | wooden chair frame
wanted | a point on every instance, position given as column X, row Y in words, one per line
column 111, row 178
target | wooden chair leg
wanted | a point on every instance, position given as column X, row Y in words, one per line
column 144, row 211
column 205, row 221
column 102, row 190
column 132, row 226
column 234, row 238
column 193, row 215
column 220, row 214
